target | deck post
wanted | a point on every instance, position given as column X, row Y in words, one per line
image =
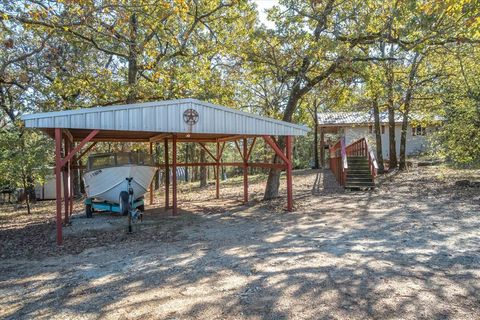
column 174, row 173
column 245, row 171
column 151, row 183
column 322, row 148
column 217, row 177
column 58, row 184
column 289, row 173
column 167, row 175
column 66, row 150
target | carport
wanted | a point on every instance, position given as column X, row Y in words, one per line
column 169, row 122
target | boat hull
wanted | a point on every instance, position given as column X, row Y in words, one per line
column 107, row 183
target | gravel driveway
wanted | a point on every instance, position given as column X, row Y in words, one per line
column 407, row 250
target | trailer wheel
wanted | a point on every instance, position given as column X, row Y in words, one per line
column 123, row 202
column 88, row 210
column 141, row 208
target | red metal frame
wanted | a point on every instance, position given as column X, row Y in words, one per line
column 289, row 143
column 245, row 170
column 63, row 171
column 275, row 148
column 151, row 183
column 230, row 164
column 202, row 144
column 63, row 166
column 217, row 177
column 58, row 183
column 65, row 176
column 239, row 150
column 251, row 147
column 167, row 175
column 174, row 175
column 84, row 152
column 82, row 143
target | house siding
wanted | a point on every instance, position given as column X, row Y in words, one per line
column 415, row 144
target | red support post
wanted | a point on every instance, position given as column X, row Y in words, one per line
column 58, row 184
column 174, row 173
column 151, row 183
column 289, row 173
column 167, row 175
column 217, row 178
column 245, row 171
column 71, row 181
column 66, row 149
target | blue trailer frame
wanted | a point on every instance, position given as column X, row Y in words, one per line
column 111, row 207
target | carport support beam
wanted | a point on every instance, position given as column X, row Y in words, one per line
column 245, row 171
column 167, row 175
column 70, row 179
column 217, row 178
column 151, row 183
column 58, row 184
column 66, row 150
column 289, row 142
column 174, row 173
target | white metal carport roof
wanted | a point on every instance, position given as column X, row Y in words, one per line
column 165, row 121
column 140, row 119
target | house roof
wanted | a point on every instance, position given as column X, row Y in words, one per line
column 143, row 120
column 352, row 118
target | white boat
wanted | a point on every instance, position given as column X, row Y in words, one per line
column 107, row 175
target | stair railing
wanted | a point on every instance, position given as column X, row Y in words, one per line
column 338, row 161
column 360, row 148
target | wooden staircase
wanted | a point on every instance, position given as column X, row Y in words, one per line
column 358, row 173
column 354, row 166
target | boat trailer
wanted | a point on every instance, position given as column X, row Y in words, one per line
column 127, row 206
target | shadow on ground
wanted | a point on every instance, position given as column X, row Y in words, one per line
column 405, row 254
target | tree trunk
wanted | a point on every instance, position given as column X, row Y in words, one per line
column 378, row 136
column 403, row 141
column 273, row 181
column 132, row 60
column 406, row 110
column 322, row 148
column 392, row 143
column 203, row 170
column 316, row 163
column 186, row 161
column 27, row 196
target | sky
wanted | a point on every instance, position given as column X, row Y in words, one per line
column 261, row 6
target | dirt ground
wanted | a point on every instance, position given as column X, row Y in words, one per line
column 410, row 249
